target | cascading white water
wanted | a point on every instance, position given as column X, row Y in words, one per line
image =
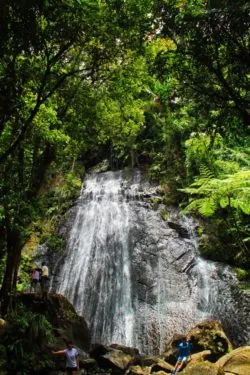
column 206, row 271
column 96, row 275
column 133, row 277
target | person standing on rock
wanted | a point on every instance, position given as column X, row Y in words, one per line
column 72, row 360
column 34, row 279
column 184, row 349
column 44, row 279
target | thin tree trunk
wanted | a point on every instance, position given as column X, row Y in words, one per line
column 12, row 264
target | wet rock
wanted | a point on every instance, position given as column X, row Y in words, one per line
column 236, row 362
column 182, row 231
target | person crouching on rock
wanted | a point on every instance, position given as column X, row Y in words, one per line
column 72, row 360
column 184, row 355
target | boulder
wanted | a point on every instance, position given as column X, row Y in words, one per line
column 201, row 356
column 202, row 368
column 87, row 363
column 162, row 365
column 109, row 357
column 149, row 361
column 126, row 349
column 116, row 358
column 98, row 350
column 67, row 324
column 209, row 335
column 236, row 362
column 138, row 370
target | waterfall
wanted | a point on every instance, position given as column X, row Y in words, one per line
column 96, row 275
column 136, row 278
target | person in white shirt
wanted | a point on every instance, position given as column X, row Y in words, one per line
column 44, row 279
column 72, row 360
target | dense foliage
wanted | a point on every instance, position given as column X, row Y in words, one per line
column 158, row 82
column 53, row 56
column 24, row 343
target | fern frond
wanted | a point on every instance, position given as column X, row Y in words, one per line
column 214, row 193
column 205, row 206
column 205, row 172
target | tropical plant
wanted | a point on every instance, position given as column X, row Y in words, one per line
column 227, row 198
column 231, row 192
column 24, row 342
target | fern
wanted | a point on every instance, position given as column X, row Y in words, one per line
column 213, row 193
column 205, row 172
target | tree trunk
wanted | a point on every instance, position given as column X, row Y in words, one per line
column 41, row 164
column 12, row 264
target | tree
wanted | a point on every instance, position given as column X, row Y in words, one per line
column 210, row 59
column 49, row 51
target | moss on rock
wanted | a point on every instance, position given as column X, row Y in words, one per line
column 67, row 324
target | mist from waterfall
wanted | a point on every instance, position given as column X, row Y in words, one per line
column 135, row 280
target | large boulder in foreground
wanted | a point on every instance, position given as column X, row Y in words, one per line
column 116, row 357
column 202, row 368
column 209, row 335
column 138, row 370
column 236, row 362
column 67, row 324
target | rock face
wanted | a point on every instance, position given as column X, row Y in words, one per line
column 136, row 278
column 236, row 362
column 68, row 326
column 236, row 317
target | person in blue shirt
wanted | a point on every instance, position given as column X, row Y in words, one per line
column 184, row 355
